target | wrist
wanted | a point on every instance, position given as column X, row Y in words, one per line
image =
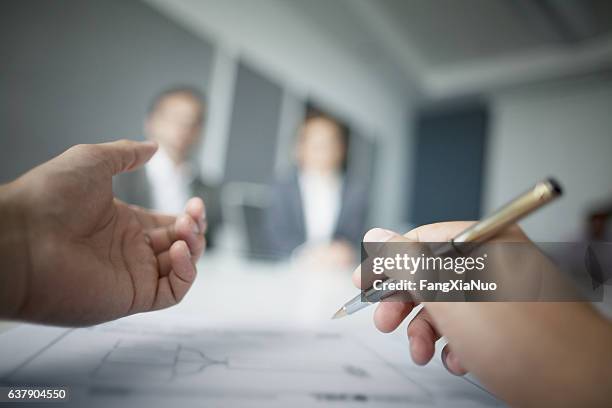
column 14, row 253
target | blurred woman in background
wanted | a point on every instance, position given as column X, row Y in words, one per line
column 317, row 214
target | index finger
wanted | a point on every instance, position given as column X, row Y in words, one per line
column 374, row 235
column 438, row 232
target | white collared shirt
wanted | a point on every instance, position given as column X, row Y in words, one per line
column 321, row 201
column 170, row 184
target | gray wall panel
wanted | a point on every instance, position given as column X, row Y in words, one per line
column 77, row 71
column 253, row 134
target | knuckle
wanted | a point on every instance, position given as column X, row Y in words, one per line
column 81, row 148
column 515, row 229
column 123, row 141
column 86, row 153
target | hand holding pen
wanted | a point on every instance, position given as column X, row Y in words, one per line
column 422, row 330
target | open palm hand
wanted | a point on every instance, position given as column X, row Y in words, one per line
column 93, row 258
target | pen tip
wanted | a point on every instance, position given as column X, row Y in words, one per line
column 340, row 313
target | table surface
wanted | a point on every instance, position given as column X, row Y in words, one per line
column 233, row 292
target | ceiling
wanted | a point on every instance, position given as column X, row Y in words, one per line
column 451, row 47
column 451, row 31
column 439, row 49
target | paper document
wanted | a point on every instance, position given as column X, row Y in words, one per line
column 144, row 363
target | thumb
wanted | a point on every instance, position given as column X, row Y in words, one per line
column 125, row 155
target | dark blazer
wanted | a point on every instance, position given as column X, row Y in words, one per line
column 285, row 225
column 134, row 188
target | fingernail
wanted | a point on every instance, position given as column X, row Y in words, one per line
column 416, row 350
column 192, row 224
column 378, row 235
column 444, row 356
column 413, row 343
column 452, row 358
column 195, row 228
column 203, row 219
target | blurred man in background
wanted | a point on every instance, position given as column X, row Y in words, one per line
column 175, row 120
column 317, row 213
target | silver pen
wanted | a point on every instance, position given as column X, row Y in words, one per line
column 542, row 193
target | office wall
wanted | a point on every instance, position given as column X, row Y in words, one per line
column 563, row 130
column 76, row 71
